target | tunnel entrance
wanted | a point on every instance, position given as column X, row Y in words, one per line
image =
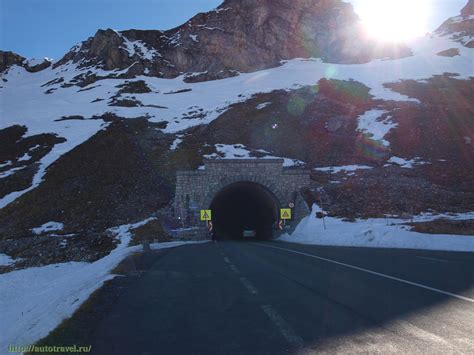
column 243, row 206
column 243, row 194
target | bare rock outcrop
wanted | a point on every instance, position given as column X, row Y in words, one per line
column 238, row 36
column 7, row 59
column 460, row 28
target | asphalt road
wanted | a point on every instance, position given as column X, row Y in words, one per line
column 272, row 298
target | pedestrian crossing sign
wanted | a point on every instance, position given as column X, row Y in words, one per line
column 285, row 213
column 206, row 215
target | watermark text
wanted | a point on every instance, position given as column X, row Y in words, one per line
column 49, row 349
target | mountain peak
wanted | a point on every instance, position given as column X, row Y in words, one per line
column 8, row 58
column 460, row 28
column 468, row 10
column 238, row 36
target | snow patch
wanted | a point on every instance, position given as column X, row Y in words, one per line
column 175, row 39
column 218, row 10
column 194, row 38
column 24, row 157
column 7, row 163
column 407, row 164
column 373, row 233
column 139, row 48
column 210, row 28
column 5, row 260
column 194, row 74
column 239, row 151
column 263, row 105
column 344, row 168
column 178, row 140
column 48, row 227
column 372, row 124
column 10, row 172
column 458, row 19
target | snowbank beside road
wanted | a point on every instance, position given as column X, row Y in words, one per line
column 375, row 233
column 34, row 301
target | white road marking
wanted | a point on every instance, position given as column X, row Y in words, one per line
column 284, row 328
column 248, row 285
column 435, row 259
column 226, row 259
column 373, row 272
column 234, row 269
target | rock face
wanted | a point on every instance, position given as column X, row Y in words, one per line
column 460, row 28
column 7, row 59
column 239, row 36
column 468, row 10
column 33, row 68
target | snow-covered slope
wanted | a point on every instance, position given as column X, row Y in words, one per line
column 95, row 138
column 376, row 233
column 34, row 100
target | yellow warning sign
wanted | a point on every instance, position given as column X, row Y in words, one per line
column 285, row 213
column 206, row 215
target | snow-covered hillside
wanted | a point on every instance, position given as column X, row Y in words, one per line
column 95, row 139
column 37, row 102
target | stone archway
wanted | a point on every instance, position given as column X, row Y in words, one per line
column 229, row 180
column 256, row 178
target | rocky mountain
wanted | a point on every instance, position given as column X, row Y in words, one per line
column 7, row 59
column 94, row 140
column 460, row 28
column 239, row 36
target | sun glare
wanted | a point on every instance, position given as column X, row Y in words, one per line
column 394, row 20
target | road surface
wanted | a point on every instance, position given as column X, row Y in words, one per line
column 275, row 298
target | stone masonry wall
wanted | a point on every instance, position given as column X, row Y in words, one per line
column 195, row 190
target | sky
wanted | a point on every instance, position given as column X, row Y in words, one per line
column 49, row 28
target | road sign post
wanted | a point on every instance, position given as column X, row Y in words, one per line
column 321, row 206
column 206, row 215
column 285, row 213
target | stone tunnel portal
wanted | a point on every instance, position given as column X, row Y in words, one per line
column 243, row 206
column 242, row 194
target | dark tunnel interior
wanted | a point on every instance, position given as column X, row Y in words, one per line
column 244, row 206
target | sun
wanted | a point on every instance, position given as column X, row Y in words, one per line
column 394, row 20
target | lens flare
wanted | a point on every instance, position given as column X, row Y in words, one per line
column 394, row 20
column 300, row 99
column 368, row 148
column 330, row 72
